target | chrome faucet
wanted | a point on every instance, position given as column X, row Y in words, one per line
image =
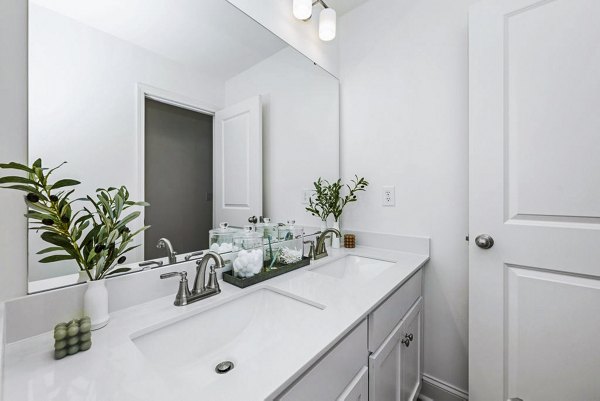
column 202, row 289
column 193, row 255
column 165, row 243
column 320, row 251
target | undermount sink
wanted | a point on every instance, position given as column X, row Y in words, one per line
column 354, row 268
column 249, row 330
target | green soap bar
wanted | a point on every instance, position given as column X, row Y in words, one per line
column 73, row 340
column 62, row 324
column 84, row 346
column 58, row 345
column 60, row 353
column 73, row 330
column 85, row 337
column 85, row 327
column 73, row 349
column 85, row 319
column 59, row 334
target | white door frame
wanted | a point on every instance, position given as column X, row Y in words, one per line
column 143, row 92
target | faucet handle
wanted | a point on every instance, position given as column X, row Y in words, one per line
column 311, row 250
column 183, row 293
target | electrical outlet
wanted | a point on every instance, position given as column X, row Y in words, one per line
column 306, row 195
column 389, row 195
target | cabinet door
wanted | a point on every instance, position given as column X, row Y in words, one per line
column 410, row 357
column 358, row 389
column 395, row 368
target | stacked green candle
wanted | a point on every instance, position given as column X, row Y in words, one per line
column 72, row 337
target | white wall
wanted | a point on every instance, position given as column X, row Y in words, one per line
column 404, row 103
column 83, row 97
column 277, row 16
column 13, row 140
column 300, row 129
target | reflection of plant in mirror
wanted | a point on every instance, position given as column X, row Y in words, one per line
column 329, row 199
column 107, row 237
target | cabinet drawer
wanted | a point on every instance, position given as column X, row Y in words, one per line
column 387, row 315
column 328, row 378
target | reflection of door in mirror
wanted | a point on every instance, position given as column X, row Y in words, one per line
column 178, row 177
column 238, row 162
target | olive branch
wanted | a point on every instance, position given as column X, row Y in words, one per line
column 107, row 237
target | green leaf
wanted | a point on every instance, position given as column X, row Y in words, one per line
column 127, row 219
column 37, row 163
column 132, row 203
column 56, row 258
column 65, row 183
column 56, row 239
column 16, row 166
column 27, row 189
column 48, row 250
column 17, row 180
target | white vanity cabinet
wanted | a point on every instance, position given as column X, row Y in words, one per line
column 337, row 373
column 395, row 368
column 379, row 360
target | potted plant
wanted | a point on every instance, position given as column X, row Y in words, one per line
column 332, row 198
column 95, row 238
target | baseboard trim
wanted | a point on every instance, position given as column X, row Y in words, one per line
column 445, row 386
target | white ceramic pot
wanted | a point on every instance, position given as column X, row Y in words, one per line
column 95, row 303
column 335, row 241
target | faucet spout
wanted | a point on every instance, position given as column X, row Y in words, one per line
column 165, row 243
column 320, row 249
column 200, row 285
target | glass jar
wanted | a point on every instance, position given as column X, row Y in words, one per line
column 267, row 229
column 221, row 239
column 249, row 260
column 289, row 231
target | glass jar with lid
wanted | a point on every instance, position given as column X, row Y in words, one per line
column 288, row 249
column 249, row 260
column 221, row 239
column 268, row 230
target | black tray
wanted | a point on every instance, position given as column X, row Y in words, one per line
column 246, row 282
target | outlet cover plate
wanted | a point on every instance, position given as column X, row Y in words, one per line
column 389, row 195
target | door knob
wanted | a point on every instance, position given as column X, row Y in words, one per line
column 484, row 241
column 405, row 341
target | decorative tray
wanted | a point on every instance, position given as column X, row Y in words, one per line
column 260, row 277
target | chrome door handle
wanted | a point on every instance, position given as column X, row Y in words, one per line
column 485, row 241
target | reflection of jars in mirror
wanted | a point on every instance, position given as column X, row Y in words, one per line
column 249, row 260
column 221, row 239
column 289, row 231
column 267, row 229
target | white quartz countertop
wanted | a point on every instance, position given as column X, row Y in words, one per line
column 114, row 369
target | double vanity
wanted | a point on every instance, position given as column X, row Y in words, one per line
column 346, row 327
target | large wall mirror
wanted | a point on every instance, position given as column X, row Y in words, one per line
column 192, row 105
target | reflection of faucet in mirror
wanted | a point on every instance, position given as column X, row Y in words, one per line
column 320, row 250
column 165, row 243
column 155, row 263
column 193, row 254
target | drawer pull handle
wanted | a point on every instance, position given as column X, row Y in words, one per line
column 409, row 336
column 405, row 341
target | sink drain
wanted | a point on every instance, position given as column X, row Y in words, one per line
column 224, row 367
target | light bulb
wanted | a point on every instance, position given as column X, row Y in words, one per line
column 302, row 9
column 327, row 24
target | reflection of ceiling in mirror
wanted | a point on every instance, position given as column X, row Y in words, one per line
column 231, row 42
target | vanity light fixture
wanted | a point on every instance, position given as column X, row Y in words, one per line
column 302, row 10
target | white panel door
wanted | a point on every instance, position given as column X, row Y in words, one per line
column 534, row 296
column 237, row 163
column 358, row 389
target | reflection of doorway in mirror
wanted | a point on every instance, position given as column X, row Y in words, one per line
column 177, row 177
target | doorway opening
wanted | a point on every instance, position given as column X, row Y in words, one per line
column 178, row 177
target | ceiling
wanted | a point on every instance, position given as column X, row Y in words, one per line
column 211, row 35
column 343, row 6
